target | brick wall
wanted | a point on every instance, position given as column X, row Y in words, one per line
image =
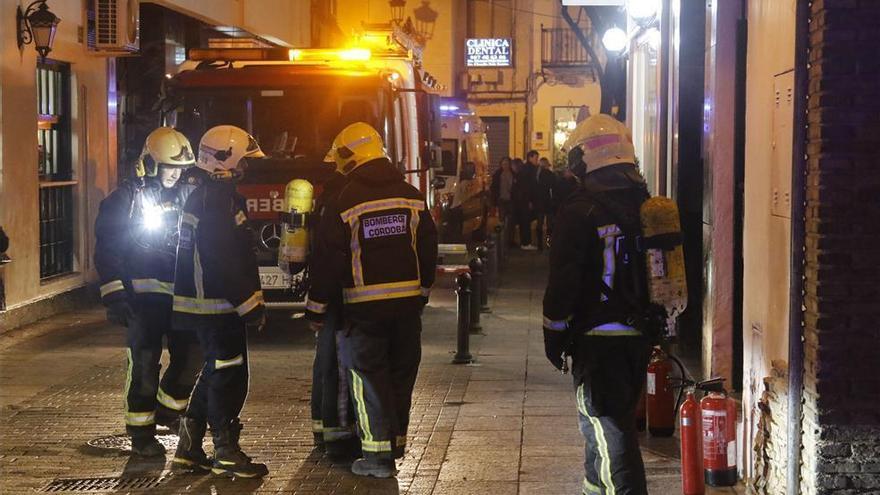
column 842, row 320
column 771, row 440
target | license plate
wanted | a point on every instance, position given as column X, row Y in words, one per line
column 274, row 278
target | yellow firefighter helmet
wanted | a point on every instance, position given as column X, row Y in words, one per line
column 354, row 146
column 167, row 147
column 602, row 140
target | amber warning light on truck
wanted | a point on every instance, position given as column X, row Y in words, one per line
column 488, row 52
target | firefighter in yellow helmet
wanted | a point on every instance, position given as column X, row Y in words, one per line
column 136, row 231
column 380, row 246
column 217, row 295
column 594, row 301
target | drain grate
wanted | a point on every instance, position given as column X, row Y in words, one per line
column 102, row 484
column 123, row 442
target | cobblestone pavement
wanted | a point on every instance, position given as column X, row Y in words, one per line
column 504, row 425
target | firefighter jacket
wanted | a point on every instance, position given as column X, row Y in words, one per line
column 593, row 228
column 217, row 276
column 136, row 232
column 329, row 193
column 378, row 242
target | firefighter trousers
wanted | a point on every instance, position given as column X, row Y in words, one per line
column 147, row 398
column 222, row 386
column 609, row 372
column 383, row 356
column 332, row 411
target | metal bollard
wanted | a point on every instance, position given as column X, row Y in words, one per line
column 501, row 242
column 483, row 255
column 463, row 291
column 476, row 267
column 492, row 266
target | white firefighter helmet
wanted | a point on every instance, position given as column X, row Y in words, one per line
column 223, row 147
column 164, row 147
column 600, row 140
column 355, row 145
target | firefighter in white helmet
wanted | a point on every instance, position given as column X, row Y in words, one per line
column 136, row 233
column 593, row 299
column 217, row 294
column 380, row 247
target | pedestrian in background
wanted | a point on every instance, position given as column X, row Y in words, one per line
column 545, row 180
column 524, row 201
column 503, row 183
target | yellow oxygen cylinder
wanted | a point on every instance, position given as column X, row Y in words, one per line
column 664, row 256
column 294, row 248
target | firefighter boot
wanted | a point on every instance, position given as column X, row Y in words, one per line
column 229, row 460
column 377, row 468
column 344, row 448
column 143, row 441
column 190, row 456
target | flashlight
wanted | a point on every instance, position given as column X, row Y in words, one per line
column 152, row 218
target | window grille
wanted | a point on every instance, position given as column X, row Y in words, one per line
column 55, row 169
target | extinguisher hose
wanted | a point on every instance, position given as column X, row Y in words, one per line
column 685, row 376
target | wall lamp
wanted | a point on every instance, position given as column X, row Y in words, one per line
column 37, row 25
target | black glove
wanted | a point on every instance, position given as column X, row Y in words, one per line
column 256, row 321
column 120, row 313
column 556, row 344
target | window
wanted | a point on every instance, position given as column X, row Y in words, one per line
column 490, row 19
column 55, row 168
column 450, row 157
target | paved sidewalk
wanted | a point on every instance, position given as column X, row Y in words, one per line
column 504, row 425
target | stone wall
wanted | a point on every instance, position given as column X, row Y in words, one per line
column 842, row 388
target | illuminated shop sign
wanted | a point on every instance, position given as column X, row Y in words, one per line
column 489, row 52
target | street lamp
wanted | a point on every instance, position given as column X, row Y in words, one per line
column 37, row 25
column 426, row 18
column 614, row 40
column 643, row 12
column 397, row 8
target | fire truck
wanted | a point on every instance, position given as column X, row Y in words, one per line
column 294, row 102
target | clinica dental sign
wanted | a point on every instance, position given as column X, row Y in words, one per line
column 488, row 52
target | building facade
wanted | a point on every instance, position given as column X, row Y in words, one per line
column 59, row 141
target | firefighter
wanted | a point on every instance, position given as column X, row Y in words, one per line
column 596, row 283
column 136, row 231
column 380, row 246
column 332, row 412
column 217, row 295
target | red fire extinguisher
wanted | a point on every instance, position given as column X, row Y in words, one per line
column 718, row 412
column 660, row 403
column 691, row 447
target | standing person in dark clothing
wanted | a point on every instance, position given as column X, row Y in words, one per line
column 545, row 180
column 503, row 184
column 217, row 295
column 379, row 245
column 524, row 201
column 333, row 419
column 595, row 265
column 135, row 250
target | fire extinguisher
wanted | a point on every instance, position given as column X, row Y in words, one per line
column 660, row 403
column 718, row 413
column 691, row 447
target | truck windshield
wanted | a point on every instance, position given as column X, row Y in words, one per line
column 291, row 123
